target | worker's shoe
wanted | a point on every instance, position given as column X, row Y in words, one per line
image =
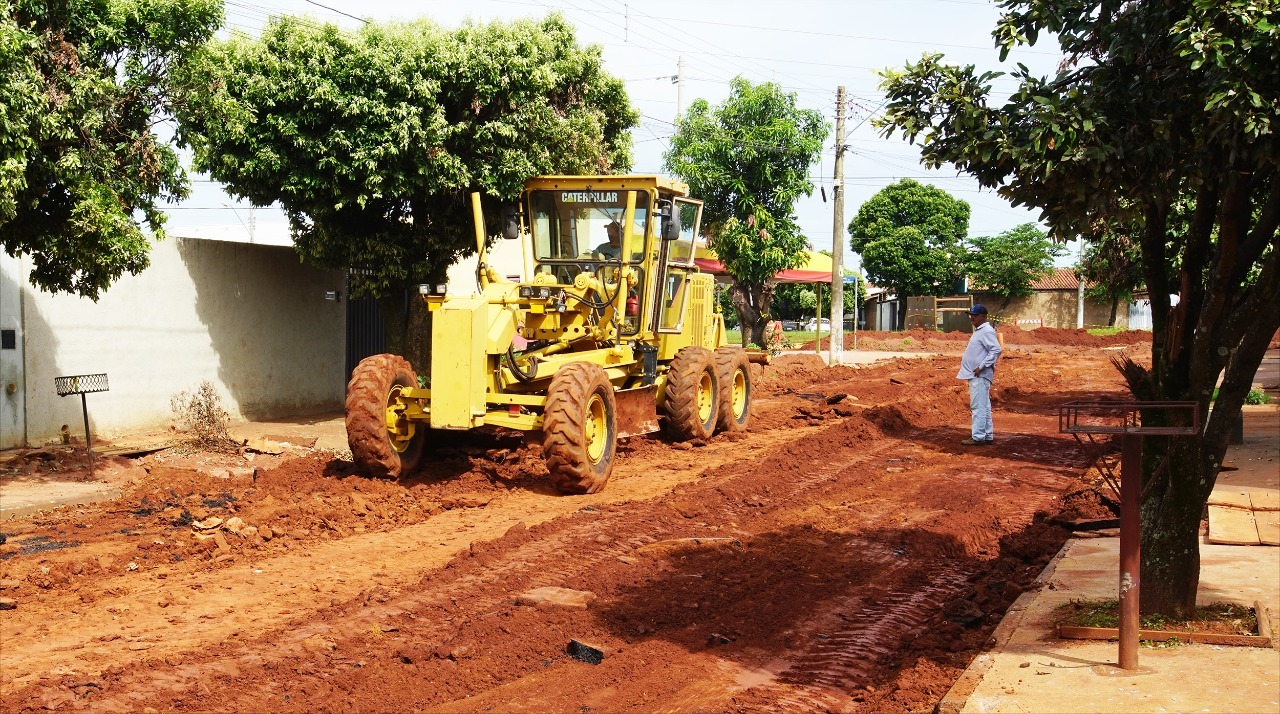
column 978, row 442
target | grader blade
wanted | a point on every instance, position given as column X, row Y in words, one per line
column 637, row 410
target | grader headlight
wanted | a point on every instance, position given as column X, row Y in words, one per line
column 535, row 291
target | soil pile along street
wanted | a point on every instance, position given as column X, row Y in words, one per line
column 844, row 553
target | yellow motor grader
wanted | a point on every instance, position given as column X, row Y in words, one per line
column 612, row 332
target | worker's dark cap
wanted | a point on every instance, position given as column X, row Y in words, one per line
column 978, row 310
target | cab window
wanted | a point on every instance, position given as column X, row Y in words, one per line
column 674, row 294
column 681, row 250
column 580, row 225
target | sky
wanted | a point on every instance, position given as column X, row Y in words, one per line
column 809, row 47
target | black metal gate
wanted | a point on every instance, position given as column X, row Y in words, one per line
column 365, row 332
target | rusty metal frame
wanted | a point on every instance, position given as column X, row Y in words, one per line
column 1129, row 414
column 1129, row 488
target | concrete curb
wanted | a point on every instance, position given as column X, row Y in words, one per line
column 956, row 697
column 29, row 508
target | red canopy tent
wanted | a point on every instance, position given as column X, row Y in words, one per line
column 715, row 267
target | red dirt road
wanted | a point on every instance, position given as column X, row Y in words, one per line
column 843, row 554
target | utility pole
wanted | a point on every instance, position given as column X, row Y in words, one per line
column 837, row 242
column 678, row 80
column 1080, row 288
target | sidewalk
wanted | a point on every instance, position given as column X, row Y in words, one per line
column 1030, row 670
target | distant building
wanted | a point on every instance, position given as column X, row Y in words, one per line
column 1053, row 304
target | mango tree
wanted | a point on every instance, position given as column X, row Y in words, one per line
column 1156, row 105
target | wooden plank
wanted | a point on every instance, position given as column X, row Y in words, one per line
column 1072, row 632
column 1232, row 526
column 1265, row 500
column 1268, row 525
column 1232, row 497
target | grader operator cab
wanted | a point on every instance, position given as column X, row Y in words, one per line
column 613, row 333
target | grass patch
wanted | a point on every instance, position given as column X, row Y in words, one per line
column 1104, row 331
column 1255, row 396
column 1219, row 618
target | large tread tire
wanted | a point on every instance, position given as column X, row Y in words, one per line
column 734, row 371
column 580, row 427
column 368, row 395
column 690, row 406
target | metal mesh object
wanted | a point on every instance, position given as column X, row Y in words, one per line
column 81, row 384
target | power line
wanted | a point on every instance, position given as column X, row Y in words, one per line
column 697, row 38
column 353, row 17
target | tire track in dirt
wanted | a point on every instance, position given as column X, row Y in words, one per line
column 247, row 598
column 842, row 660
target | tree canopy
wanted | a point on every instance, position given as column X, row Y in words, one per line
column 748, row 159
column 1008, row 264
column 1156, row 105
column 371, row 140
column 82, row 85
column 910, row 236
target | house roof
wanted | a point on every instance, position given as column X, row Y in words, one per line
column 1059, row 279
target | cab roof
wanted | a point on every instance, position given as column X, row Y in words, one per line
column 635, row 181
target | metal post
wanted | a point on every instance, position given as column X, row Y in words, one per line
column 88, row 442
column 679, row 82
column 1130, row 548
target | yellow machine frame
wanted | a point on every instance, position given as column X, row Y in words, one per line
column 476, row 376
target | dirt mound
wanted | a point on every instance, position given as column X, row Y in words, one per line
column 918, row 340
column 1073, row 338
column 1088, row 503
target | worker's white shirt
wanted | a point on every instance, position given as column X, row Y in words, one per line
column 981, row 354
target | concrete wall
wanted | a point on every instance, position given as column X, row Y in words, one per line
column 249, row 318
column 1057, row 308
column 12, row 402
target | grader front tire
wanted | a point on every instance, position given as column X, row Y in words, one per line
column 581, row 427
column 735, row 389
column 691, row 403
column 375, row 448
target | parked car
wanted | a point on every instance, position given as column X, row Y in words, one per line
column 812, row 324
column 790, row 325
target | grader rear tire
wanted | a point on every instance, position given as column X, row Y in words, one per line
column 376, row 450
column 735, row 389
column 691, row 402
column 581, row 427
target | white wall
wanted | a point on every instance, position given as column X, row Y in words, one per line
column 249, row 318
column 12, row 406
column 506, row 256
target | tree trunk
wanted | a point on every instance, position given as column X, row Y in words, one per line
column 1217, row 329
column 394, row 310
column 408, row 329
column 752, row 305
column 1170, row 535
column 1115, row 305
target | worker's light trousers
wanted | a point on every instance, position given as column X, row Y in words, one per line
column 980, row 405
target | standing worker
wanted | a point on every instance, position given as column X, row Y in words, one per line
column 978, row 367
